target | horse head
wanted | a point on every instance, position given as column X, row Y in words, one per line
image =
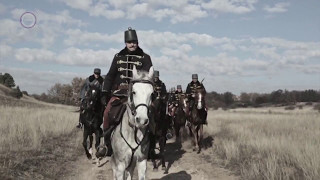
column 184, row 103
column 140, row 96
column 91, row 98
column 200, row 98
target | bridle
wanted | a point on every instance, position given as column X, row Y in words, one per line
column 131, row 104
column 133, row 109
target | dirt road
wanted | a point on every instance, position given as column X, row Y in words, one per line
column 181, row 162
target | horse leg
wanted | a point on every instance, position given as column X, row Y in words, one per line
column 142, row 167
column 177, row 132
column 200, row 136
column 84, row 142
column 118, row 169
column 129, row 172
column 97, row 136
column 162, row 144
column 91, row 142
column 195, row 134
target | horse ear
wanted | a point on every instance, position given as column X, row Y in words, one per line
column 134, row 72
column 150, row 75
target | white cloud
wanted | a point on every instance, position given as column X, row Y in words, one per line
column 277, row 8
column 32, row 55
column 75, row 56
column 5, row 51
column 176, row 11
column 230, row 6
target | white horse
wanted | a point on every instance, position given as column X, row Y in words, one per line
column 130, row 141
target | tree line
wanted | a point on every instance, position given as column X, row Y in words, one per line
column 278, row 97
column 69, row 94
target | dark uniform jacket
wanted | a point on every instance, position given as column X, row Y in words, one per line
column 120, row 72
column 160, row 89
column 192, row 87
column 90, row 81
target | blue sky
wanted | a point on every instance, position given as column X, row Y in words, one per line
column 236, row 45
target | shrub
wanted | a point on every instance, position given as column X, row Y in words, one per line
column 289, row 108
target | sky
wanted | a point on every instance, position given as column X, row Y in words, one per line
column 234, row 45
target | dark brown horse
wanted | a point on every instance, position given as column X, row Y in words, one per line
column 162, row 124
column 198, row 117
column 180, row 116
column 91, row 117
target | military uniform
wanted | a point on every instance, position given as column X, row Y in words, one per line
column 160, row 89
column 90, row 81
column 120, row 72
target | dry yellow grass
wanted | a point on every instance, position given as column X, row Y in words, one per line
column 268, row 143
column 25, row 128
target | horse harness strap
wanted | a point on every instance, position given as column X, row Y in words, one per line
column 133, row 150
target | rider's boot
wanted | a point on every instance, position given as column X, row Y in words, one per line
column 106, row 149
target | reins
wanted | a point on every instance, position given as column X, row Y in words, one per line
column 133, row 109
column 133, row 150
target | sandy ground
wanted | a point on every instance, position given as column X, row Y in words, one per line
column 181, row 163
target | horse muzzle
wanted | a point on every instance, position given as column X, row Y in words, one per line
column 141, row 122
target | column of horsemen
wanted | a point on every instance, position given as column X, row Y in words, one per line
column 114, row 89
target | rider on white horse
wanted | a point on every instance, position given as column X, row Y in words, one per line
column 118, row 78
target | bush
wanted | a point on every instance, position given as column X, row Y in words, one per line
column 317, row 107
column 25, row 93
column 16, row 93
column 309, row 103
column 289, row 108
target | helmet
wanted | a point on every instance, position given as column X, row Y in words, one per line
column 194, row 76
column 156, row 74
column 179, row 87
column 130, row 35
column 97, row 71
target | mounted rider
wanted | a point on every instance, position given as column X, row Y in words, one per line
column 159, row 87
column 191, row 90
column 175, row 100
column 94, row 80
column 116, row 83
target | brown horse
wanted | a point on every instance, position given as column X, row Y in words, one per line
column 180, row 116
column 162, row 124
column 198, row 117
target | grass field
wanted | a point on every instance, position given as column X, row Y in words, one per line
column 25, row 128
column 268, row 143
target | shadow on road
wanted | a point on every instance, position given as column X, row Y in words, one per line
column 172, row 154
column 174, row 176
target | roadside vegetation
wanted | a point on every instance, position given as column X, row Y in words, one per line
column 268, row 143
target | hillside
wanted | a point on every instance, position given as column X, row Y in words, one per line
column 25, row 101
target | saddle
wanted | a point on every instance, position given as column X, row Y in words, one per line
column 114, row 112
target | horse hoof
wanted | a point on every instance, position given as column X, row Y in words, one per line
column 163, row 168
column 155, row 169
column 89, row 156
